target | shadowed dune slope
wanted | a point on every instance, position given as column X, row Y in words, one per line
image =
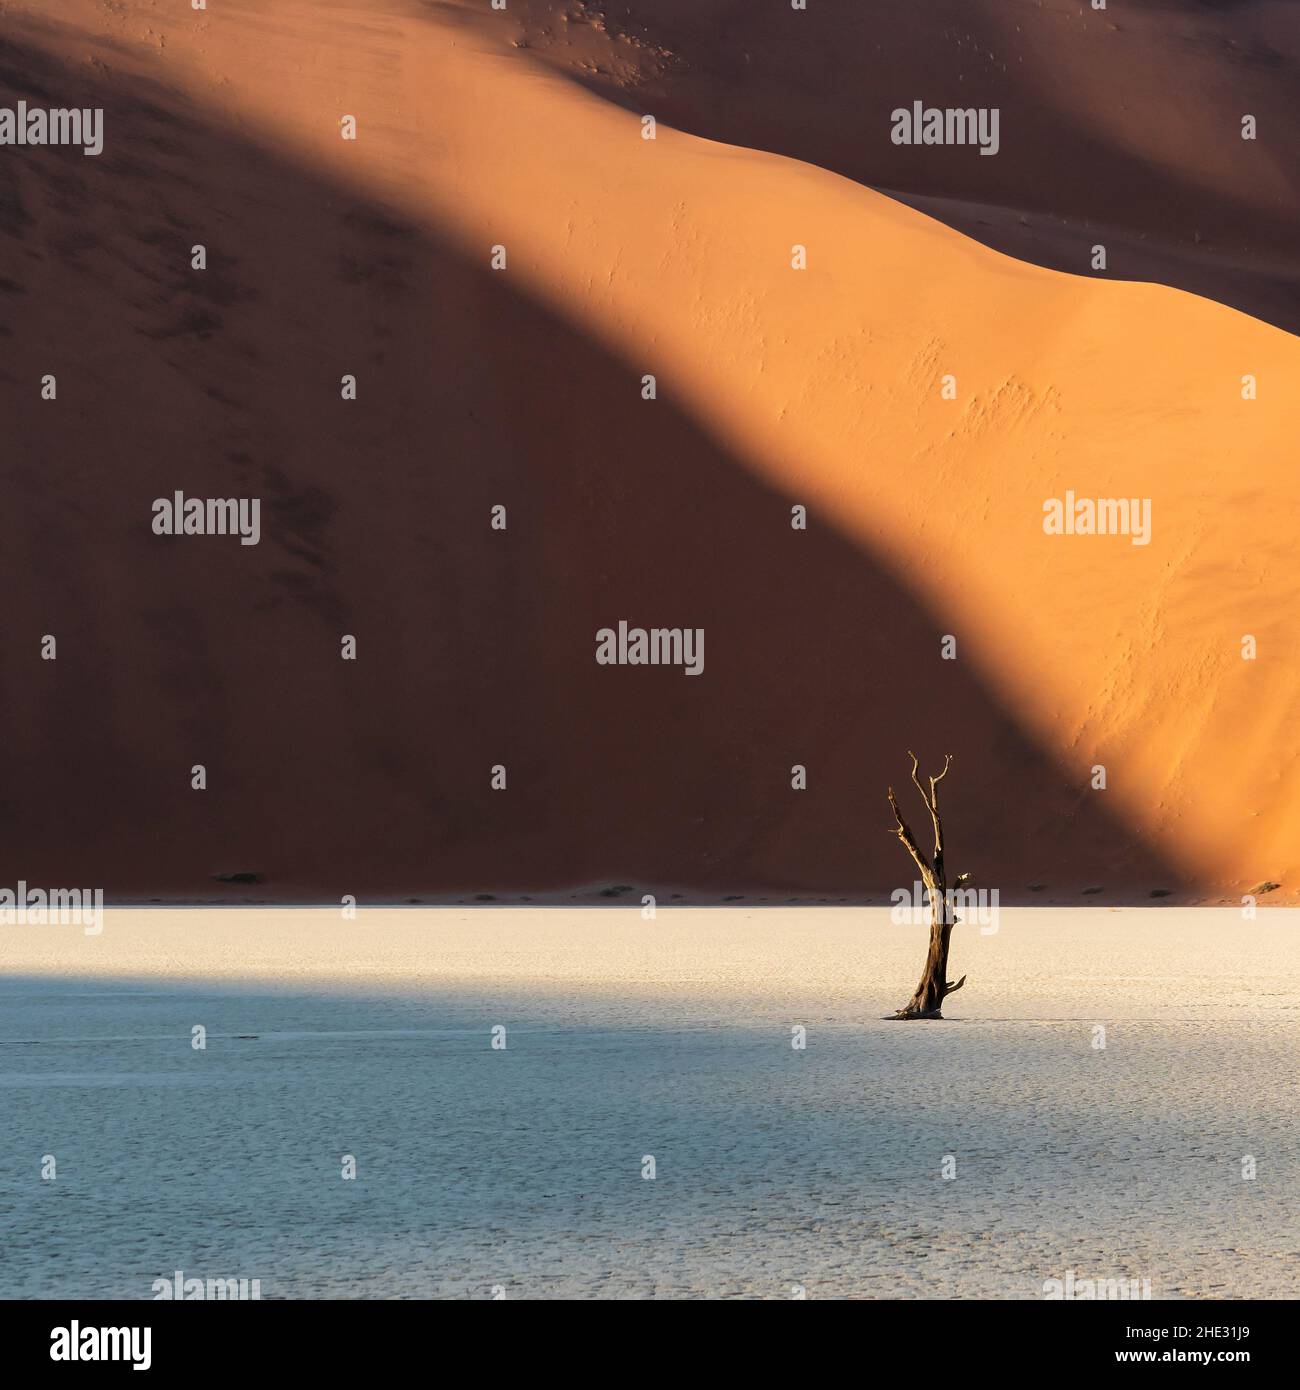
column 776, row 388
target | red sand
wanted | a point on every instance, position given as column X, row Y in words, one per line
column 1119, row 126
column 776, row 387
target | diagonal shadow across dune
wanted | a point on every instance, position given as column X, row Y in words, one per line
column 475, row 646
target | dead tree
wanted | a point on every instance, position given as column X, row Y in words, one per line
column 935, row 985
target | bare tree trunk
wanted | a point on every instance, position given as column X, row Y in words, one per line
column 935, row 985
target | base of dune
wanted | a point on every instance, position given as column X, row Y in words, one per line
column 1120, row 715
column 777, row 1169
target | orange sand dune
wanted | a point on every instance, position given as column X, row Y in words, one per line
column 777, row 387
column 1120, row 127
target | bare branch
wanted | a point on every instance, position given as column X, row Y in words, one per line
column 932, row 803
column 950, row 988
column 909, row 841
column 916, row 781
